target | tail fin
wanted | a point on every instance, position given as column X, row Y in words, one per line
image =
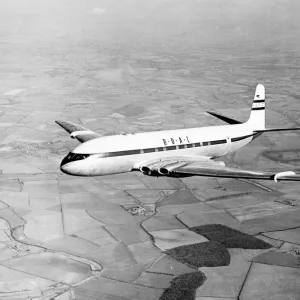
column 257, row 117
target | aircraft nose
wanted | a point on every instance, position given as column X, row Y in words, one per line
column 68, row 158
column 74, row 164
column 64, row 162
column 63, row 167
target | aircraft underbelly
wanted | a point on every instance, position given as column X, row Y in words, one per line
column 121, row 164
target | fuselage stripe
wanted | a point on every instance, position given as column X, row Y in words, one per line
column 173, row 147
column 218, row 142
column 258, row 108
column 241, row 138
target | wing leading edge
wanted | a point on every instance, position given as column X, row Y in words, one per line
column 210, row 169
column 81, row 133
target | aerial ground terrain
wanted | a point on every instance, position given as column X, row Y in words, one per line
column 127, row 66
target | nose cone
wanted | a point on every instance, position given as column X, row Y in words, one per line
column 64, row 169
column 64, row 166
column 67, row 165
column 75, row 164
column 64, row 162
column 71, row 168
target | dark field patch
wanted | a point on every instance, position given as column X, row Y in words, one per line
column 183, row 287
column 229, row 237
column 131, row 110
column 207, row 254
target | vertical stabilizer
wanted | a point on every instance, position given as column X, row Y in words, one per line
column 257, row 116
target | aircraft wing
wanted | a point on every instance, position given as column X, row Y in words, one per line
column 78, row 132
column 218, row 169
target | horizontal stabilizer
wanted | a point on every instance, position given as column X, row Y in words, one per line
column 223, row 118
column 276, row 129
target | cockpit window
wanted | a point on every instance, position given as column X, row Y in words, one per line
column 74, row 157
column 77, row 156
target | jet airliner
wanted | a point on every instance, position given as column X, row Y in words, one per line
column 175, row 153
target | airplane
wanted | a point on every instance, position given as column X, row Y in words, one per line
column 174, row 153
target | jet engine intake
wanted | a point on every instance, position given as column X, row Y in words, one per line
column 163, row 171
column 146, row 170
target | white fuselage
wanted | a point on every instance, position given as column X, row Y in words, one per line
column 123, row 153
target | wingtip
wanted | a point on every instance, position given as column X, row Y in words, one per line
column 65, row 125
column 60, row 123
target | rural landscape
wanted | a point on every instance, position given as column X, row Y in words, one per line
column 120, row 67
